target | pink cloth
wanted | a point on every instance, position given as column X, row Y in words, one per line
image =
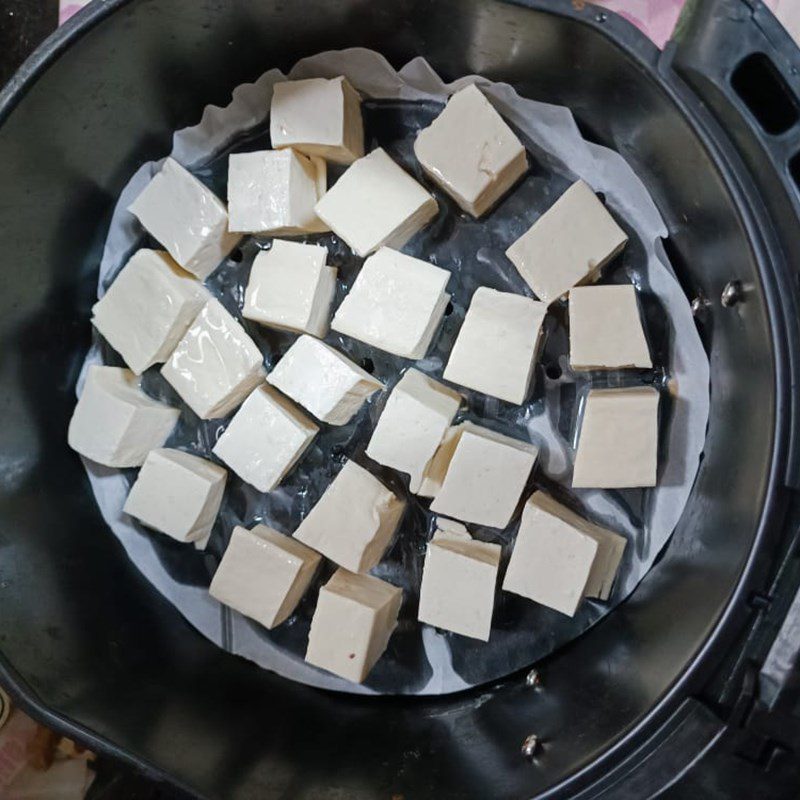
column 656, row 18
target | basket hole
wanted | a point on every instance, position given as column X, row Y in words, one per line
column 765, row 92
column 553, row 371
column 368, row 365
column 794, row 171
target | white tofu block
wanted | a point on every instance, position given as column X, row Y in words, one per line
column 264, row 574
column 115, row 423
column 495, row 351
column 551, row 561
column 352, row 624
column 178, row 494
column 148, row 308
column 318, row 117
column 274, row 191
column 610, row 545
column 323, row 381
column 265, row 439
column 485, row 477
column 395, row 304
column 618, row 441
column 605, row 330
column 470, row 152
column 568, row 245
column 458, row 583
column 187, row 218
column 215, row 365
column 376, row 204
column 291, row 288
column 354, row 520
column 413, row 423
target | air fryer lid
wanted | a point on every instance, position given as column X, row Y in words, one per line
column 75, row 615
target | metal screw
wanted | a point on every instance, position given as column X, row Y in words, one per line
column 533, row 679
column 530, row 747
column 602, row 16
column 732, row 294
column 699, row 305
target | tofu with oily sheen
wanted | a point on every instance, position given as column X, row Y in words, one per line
column 215, row 365
column 115, row 423
column 178, row 494
column 618, row 439
column 485, row 476
column 495, row 350
column 148, row 308
column 323, row 381
column 264, row 574
column 274, row 191
column 265, row 439
column 291, row 288
column 458, row 584
column 470, row 152
column 376, row 203
column 568, row 245
column 552, row 560
column 396, row 304
column 605, row 329
column 318, row 117
column 413, row 423
column 186, row 218
column 353, row 522
column 352, row 624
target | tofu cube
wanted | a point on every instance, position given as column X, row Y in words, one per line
column 495, row 351
column 485, row 476
column 318, row 117
column 395, row 304
column 605, row 330
column 470, row 152
column 376, row 204
column 568, row 245
column 416, row 417
column 458, row 583
column 265, row 439
column 552, row 560
column 186, row 218
column 352, row 624
column 323, row 381
column 178, row 494
column 610, row 545
column 291, row 288
column 618, row 441
column 354, row 520
column 148, row 308
column 264, row 574
column 274, row 191
column 115, row 423
column 215, row 365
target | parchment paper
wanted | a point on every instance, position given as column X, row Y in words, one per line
column 422, row 660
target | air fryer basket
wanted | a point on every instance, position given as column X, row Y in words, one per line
column 88, row 645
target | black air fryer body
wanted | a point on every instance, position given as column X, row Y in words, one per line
column 692, row 665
